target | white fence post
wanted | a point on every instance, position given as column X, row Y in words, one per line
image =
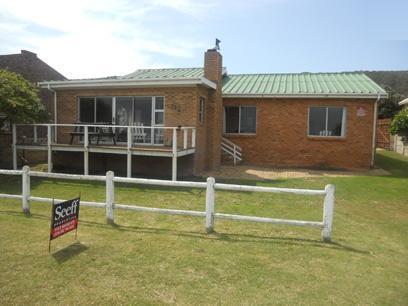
column 209, row 205
column 14, row 145
column 235, row 155
column 110, row 197
column 26, row 189
column 328, row 211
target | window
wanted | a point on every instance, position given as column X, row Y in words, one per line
column 240, row 119
column 201, row 110
column 95, row 110
column 87, row 110
column 159, row 111
column 327, row 121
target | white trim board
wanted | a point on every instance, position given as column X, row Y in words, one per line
column 115, row 83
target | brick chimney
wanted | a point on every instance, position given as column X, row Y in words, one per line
column 28, row 54
column 213, row 65
column 213, row 72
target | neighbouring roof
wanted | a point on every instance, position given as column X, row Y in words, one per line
column 403, row 102
column 29, row 66
column 301, row 85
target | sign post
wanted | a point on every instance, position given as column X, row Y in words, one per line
column 64, row 218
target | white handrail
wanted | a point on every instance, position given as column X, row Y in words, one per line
column 231, row 149
column 210, row 215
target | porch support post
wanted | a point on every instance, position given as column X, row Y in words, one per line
column 49, row 148
column 129, row 152
column 174, row 157
column 14, row 146
column 185, row 131
column 86, row 152
column 193, row 138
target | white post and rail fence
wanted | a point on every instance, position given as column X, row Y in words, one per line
column 209, row 214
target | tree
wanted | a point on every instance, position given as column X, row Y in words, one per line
column 389, row 107
column 399, row 124
column 19, row 101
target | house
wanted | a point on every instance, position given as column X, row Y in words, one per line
column 34, row 70
column 182, row 121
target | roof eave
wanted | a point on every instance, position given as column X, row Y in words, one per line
column 120, row 83
column 316, row 96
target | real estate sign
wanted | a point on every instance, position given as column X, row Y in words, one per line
column 64, row 217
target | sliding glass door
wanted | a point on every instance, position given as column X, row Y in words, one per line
column 143, row 114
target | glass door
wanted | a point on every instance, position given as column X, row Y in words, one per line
column 123, row 116
column 142, row 120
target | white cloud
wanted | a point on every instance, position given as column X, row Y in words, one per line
column 92, row 38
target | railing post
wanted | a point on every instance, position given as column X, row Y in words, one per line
column 14, row 146
column 110, row 197
column 26, row 189
column 49, row 148
column 174, row 157
column 185, row 131
column 328, row 211
column 86, row 152
column 193, row 138
column 129, row 152
column 35, row 134
column 209, row 205
column 235, row 155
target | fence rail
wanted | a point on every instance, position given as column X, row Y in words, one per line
column 211, row 186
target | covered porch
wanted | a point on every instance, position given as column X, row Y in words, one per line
column 127, row 140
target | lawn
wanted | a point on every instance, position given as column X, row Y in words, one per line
column 156, row 259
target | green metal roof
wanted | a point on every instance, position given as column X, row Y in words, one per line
column 167, row 73
column 293, row 84
column 300, row 84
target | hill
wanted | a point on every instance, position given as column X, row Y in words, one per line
column 397, row 80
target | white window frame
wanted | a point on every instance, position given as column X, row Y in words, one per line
column 239, row 120
column 343, row 121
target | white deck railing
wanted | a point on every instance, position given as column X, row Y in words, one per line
column 130, row 133
column 210, row 215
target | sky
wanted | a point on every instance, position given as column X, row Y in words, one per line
column 96, row 38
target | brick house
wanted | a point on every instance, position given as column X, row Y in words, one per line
column 34, row 70
column 188, row 120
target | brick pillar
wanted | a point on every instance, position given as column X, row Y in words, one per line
column 213, row 72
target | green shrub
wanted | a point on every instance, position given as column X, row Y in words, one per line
column 399, row 124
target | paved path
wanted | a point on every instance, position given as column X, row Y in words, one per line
column 265, row 173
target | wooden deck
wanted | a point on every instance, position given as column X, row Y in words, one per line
column 143, row 150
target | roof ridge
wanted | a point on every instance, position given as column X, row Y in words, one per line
column 298, row 73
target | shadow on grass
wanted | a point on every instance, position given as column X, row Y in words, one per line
column 224, row 237
column 68, row 252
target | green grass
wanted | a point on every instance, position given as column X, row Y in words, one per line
column 156, row 259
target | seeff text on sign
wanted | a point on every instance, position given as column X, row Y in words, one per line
column 64, row 217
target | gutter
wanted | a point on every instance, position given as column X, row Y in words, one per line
column 374, row 129
column 112, row 83
column 314, row 95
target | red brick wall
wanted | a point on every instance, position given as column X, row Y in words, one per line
column 282, row 135
column 213, row 72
